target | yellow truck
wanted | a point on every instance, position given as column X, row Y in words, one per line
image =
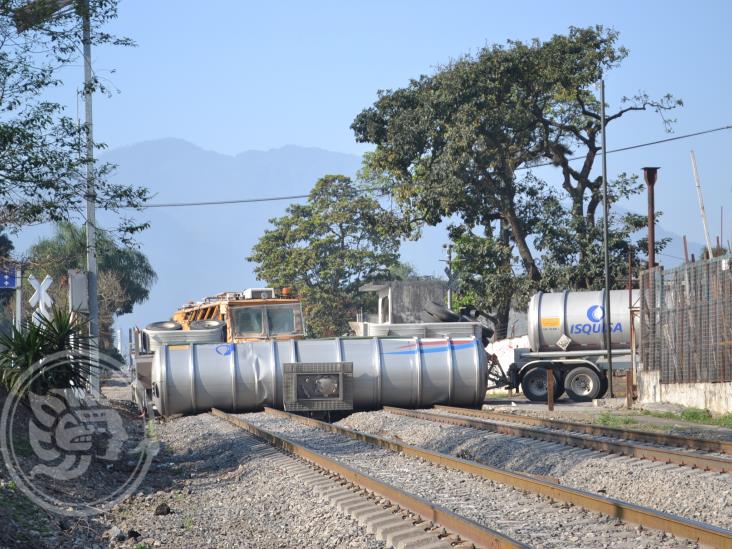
column 251, row 315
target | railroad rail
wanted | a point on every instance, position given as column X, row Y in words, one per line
column 467, row 529
column 663, row 439
column 630, row 512
column 626, row 448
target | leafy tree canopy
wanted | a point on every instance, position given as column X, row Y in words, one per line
column 461, row 143
column 67, row 250
column 327, row 248
column 42, row 163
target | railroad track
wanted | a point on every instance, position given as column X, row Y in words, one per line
column 616, row 509
column 660, row 439
column 590, row 439
column 400, row 519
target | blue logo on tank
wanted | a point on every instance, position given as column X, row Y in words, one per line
column 225, row 350
column 596, row 313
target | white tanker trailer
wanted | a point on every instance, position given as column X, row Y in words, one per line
column 567, row 334
column 319, row 375
column 408, row 365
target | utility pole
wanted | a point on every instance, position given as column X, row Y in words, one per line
column 702, row 211
column 18, row 299
column 91, row 236
column 606, row 252
column 448, row 272
column 26, row 17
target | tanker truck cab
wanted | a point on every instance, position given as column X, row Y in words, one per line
column 567, row 336
column 252, row 315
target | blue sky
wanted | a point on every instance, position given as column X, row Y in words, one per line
column 235, row 75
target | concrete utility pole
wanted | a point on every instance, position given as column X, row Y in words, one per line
column 606, row 252
column 448, row 272
column 91, row 234
column 26, row 17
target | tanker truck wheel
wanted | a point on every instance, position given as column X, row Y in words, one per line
column 582, row 384
column 533, row 385
column 604, row 384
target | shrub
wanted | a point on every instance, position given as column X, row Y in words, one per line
column 58, row 333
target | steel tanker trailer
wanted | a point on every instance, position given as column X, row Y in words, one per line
column 319, row 375
column 567, row 334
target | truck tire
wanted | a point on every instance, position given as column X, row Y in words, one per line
column 604, row 384
column 533, row 385
column 441, row 312
column 164, row 326
column 206, row 324
column 582, row 384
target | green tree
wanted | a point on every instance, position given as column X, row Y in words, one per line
column 326, row 249
column 42, row 165
column 458, row 144
column 125, row 274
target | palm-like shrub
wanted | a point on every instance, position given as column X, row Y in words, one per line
column 57, row 342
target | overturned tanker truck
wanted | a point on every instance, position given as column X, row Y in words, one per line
column 183, row 370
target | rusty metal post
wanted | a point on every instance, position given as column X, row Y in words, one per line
column 632, row 372
column 650, row 174
column 550, row 389
column 629, row 372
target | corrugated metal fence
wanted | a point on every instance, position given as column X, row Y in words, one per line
column 686, row 321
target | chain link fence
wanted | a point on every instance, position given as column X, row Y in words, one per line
column 686, row 321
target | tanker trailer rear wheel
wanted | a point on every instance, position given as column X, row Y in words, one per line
column 582, row 384
column 604, row 384
column 533, row 385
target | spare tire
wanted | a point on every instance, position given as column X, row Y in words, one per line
column 440, row 312
column 164, row 326
column 206, row 324
column 427, row 317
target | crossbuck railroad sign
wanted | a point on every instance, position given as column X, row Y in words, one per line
column 40, row 298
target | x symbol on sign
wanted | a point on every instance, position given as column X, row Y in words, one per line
column 40, row 297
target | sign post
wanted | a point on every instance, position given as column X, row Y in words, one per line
column 18, row 300
column 10, row 280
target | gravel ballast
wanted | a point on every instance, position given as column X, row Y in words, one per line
column 218, row 487
column 674, row 489
column 529, row 518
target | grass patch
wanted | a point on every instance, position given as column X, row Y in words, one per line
column 725, row 420
column 695, row 415
column 188, row 523
column 612, row 420
column 23, row 512
column 21, row 446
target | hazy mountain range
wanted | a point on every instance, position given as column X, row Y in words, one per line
column 200, row 251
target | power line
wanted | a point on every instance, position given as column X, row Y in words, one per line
column 220, row 202
column 296, row 196
column 631, row 147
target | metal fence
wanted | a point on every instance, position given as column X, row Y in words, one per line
column 686, row 321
